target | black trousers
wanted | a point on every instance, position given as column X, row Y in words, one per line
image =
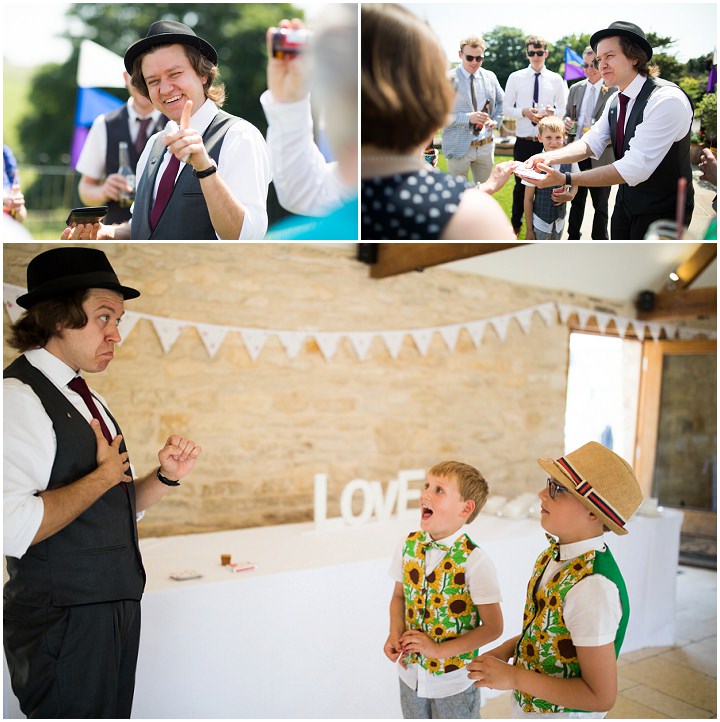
column 627, row 227
column 522, row 150
column 600, row 198
column 73, row 662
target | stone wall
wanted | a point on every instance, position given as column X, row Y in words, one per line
column 268, row 426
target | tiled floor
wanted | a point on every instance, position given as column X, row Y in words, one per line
column 678, row 682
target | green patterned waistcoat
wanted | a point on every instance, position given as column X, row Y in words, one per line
column 438, row 604
column 545, row 645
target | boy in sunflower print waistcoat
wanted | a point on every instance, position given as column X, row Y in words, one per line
column 577, row 610
column 446, row 601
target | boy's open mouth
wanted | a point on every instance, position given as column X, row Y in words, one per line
column 427, row 512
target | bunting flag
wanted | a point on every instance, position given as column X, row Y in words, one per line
column 573, row 65
column 97, row 68
column 168, row 330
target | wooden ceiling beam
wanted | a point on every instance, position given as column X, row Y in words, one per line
column 395, row 258
column 676, row 305
column 690, row 269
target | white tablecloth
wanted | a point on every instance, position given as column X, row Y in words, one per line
column 302, row 635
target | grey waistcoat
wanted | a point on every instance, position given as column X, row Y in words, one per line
column 186, row 215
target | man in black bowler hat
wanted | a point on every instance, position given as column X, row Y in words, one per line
column 648, row 126
column 209, row 178
column 71, row 607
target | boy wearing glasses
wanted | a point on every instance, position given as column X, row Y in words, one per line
column 467, row 141
column 530, row 95
column 564, row 662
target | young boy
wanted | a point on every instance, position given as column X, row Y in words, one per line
column 577, row 608
column 446, row 602
column 548, row 219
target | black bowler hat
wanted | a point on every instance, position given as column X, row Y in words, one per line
column 628, row 30
column 168, row 32
column 61, row 271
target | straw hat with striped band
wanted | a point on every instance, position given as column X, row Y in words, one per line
column 601, row 480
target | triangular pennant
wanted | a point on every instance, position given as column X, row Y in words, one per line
column 655, row 329
column 328, row 343
column 422, row 338
column 212, row 336
column 565, row 311
column 393, row 341
column 254, row 341
column 524, row 318
column 621, row 324
column 603, row 319
column 501, row 325
column 361, row 343
column 450, row 335
column 168, row 330
column 476, row 329
column 584, row 315
column 292, row 341
column 547, row 311
column 127, row 324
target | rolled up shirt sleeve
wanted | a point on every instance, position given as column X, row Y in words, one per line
column 244, row 165
column 666, row 120
column 28, row 454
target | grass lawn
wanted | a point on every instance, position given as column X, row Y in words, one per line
column 503, row 196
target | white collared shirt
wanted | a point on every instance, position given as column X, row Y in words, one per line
column 591, row 609
column 92, row 157
column 587, row 108
column 305, row 182
column 29, row 447
column 666, row 120
column 243, row 163
column 552, row 90
column 481, row 579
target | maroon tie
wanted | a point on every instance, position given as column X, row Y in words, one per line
column 79, row 386
column 142, row 135
column 620, row 130
column 165, row 190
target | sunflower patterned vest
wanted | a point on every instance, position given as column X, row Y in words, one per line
column 438, row 604
column 545, row 645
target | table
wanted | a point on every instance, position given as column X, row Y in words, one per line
column 302, row 635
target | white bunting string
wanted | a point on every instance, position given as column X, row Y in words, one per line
column 213, row 336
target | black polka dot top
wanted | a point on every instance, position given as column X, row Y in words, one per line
column 409, row 206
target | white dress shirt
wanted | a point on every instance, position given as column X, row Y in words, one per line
column 305, row 182
column 29, row 446
column 481, row 579
column 552, row 90
column 92, row 157
column 243, row 163
column 666, row 120
column 587, row 108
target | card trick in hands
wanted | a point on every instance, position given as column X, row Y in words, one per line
column 525, row 172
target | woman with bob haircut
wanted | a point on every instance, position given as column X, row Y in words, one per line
column 405, row 97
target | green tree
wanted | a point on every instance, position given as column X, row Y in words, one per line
column 236, row 30
column 556, row 52
column 505, row 51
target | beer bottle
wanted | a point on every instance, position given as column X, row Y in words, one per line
column 126, row 171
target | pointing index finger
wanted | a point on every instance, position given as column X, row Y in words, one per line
column 186, row 113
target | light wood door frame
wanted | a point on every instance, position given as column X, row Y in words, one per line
column 649, row 402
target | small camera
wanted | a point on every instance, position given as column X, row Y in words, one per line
column 289, row 41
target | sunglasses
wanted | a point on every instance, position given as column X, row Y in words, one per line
column 554, row 488
column 533, row 53
column 471, row 58
column 588, row 65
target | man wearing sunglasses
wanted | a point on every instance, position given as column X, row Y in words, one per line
column 467, row 140
column 529, row 93
column 585, row 106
